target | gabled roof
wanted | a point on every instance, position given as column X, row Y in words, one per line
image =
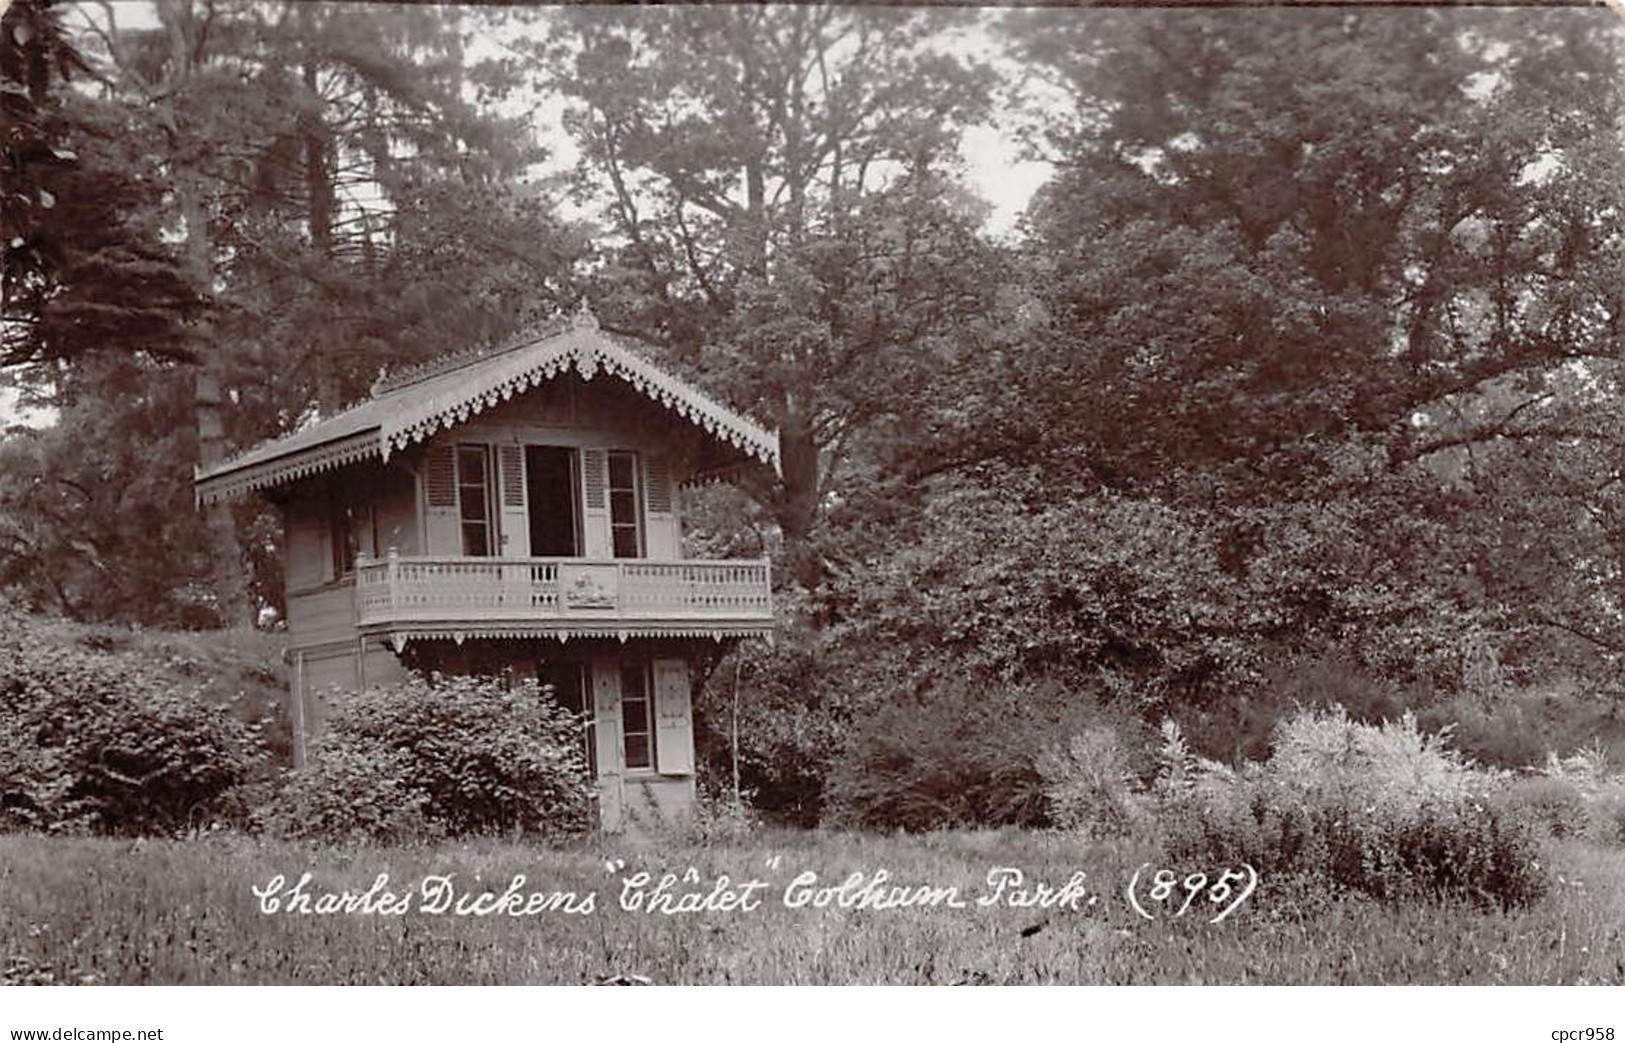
column 412, row 406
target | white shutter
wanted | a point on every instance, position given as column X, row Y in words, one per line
column 657, row 475
column 511, row 492
column 595, row 503
column 442, row 534
column 664, row 541
column 674, row 719
column 606, row 707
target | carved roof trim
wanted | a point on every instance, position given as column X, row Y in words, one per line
column 421, row 402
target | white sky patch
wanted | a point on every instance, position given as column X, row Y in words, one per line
column 12, row 414
column 995, row 168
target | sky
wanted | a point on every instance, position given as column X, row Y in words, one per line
column 992, row 156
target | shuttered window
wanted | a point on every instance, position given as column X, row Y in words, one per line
column 626, row 535
column 474, row 499
column 513, row 475
column 593, row 464
column 440, row 478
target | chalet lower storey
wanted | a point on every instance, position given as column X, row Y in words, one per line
column 634, row 698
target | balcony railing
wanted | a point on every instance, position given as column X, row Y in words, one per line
column 453, row 589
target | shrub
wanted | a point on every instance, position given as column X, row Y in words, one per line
column 963, row 754
column 1572, row 797
column 1608, row 815
column 791, row 717
column 1242, row 725
column 1327, row 757
column 718, row 818
column 1522, row 728
column 1090, row 782
column 99, row 742
column 1551, row 807
column 353, row 790
column 1341, row 807
column 445, row 756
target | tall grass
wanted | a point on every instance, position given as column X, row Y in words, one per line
column 97, row 911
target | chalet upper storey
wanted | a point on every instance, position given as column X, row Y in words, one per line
column 528, row 490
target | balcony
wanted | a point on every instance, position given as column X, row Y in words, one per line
column 563, row 597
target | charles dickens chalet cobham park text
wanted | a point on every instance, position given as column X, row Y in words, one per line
column 670, row 894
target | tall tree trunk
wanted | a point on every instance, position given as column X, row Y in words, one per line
column 208, row 396
column 230, row 577
column 319, row 200
column 796, row 508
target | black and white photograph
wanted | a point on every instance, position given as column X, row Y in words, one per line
column 810, row 495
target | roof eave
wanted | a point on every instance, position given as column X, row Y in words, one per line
column 229, row 480
column 582, row 347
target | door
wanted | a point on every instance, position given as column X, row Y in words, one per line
column 568, row 682
column 550, row 490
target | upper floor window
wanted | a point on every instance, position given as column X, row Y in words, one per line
column 626, row 531
column 474, row 499
column 352, row 531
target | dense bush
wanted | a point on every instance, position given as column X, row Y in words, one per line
column 1574, row 797
column 1242, row 725
column 793, row 712
column 441, row 756
column 1342, row 807
column 1091, row 783
column 1551, row 807
column 1520, row 728
column 105, row 743
column 963, row 754
column 1083, row 590
column 352, row 789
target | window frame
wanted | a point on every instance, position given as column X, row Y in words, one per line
column 639, row 535
column 588, row 714
column 347, row 540
column 489, row 522
column 645, row 672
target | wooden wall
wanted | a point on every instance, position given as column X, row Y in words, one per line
column 599, row 415
column 592, row 417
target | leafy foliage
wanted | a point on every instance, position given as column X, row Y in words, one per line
column 794, row 712
column 86, row 269
column 108, row 744
column 1090, row 784
column 1104, row 589
column 963, row 754
column 447, row 756
column 824, row 292
column 1341, row 807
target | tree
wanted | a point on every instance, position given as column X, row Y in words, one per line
column 341, row 203
column 1338, row 278
column 778, row 185
column 85, row 267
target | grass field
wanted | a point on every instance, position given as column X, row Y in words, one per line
column 99, row 911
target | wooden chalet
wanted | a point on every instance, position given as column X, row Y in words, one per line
column 516, row 510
